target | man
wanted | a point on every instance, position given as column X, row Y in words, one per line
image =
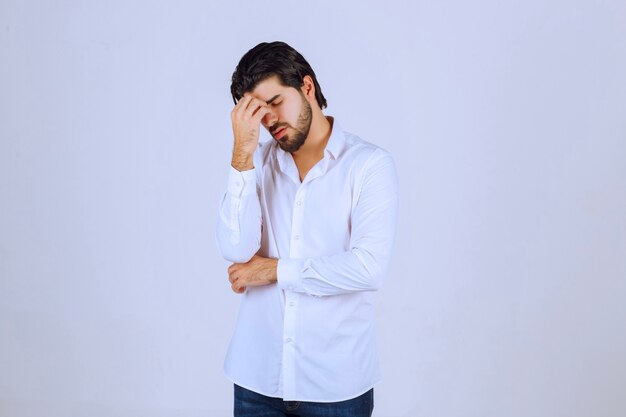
column 308, row 221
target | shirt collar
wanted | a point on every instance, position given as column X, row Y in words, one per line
column 337, row 140
column 334, row 147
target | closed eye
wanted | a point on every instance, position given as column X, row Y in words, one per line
column 273, row 99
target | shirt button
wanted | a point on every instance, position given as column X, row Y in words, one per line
column 298, row 203
column 297, row 237
column 238, row 183
column 288, row 340
column 291, row 304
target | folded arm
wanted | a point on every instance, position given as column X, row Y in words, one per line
column 364, row 266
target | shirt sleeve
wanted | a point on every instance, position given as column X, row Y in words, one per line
column 238, row 231
column 364, row 266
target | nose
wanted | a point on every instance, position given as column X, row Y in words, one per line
column 269, row 119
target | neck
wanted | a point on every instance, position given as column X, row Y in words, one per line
column 316, row 141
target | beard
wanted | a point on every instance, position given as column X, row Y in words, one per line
column 292, row 142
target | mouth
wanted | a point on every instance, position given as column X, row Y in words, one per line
column 279, row 133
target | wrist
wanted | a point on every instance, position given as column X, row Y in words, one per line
column 242, row 160
column 242, row 165
column 272, row 270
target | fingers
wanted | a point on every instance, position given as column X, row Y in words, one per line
column 260, row 114
column 241, row 104
column 237, row 288
column 248, row 107
column 255, row 107
column 237, row 282
column 232, row 275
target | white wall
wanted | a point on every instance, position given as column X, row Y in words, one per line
column 508, row 124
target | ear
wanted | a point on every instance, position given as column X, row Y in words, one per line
column 308, row 87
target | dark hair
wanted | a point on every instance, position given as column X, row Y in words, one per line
column 269, row 59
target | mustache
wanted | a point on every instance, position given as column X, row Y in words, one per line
column 278, row 127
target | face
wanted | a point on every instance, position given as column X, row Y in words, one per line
column 290, row 117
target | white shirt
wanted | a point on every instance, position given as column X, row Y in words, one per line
column 310, row 336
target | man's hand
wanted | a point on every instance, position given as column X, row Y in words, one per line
column 257, row 271
column 246, row 118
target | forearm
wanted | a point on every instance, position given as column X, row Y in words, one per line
column 346, row 272
column 238, row 229
column 242, row 159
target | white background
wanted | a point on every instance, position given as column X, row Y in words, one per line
column 507, row 120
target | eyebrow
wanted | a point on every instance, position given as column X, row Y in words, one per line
column 272, row 99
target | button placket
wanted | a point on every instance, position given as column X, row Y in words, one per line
column 297, row 221
column 289, row 345
column 289, row 324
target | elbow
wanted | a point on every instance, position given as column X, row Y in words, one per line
column 237, row 250
column 375, row 279
column 238, row 253
column 374, row 271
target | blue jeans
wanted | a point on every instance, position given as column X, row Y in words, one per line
column 251, row 404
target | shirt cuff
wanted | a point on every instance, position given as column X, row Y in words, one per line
column 288, row 274
column 241, row 183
